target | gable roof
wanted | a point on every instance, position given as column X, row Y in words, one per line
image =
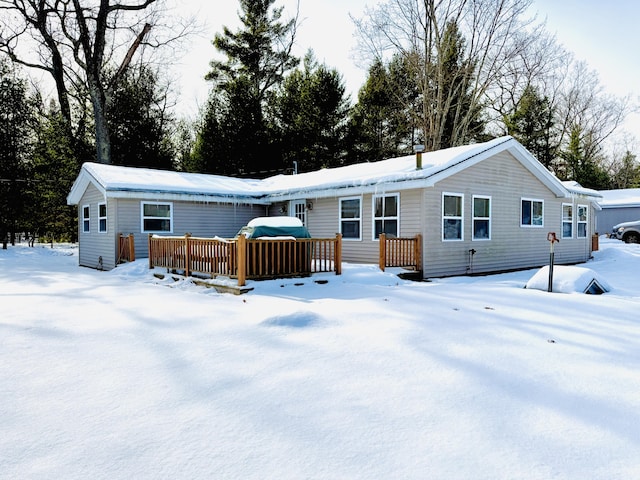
column 396, row 173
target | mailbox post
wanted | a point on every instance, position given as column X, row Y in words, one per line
column 551, row 237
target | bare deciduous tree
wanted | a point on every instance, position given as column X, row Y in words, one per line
column 79, row 42
column 417, row 29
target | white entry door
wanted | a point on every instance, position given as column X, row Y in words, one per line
column 298, row 209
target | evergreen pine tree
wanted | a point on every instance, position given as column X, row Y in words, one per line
column 256, row 59
column 309, row 114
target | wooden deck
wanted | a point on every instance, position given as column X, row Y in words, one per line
column 244, row 259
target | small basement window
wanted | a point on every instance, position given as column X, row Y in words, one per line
column 157, row 217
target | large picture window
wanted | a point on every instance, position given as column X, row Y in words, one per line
column 351, row 218
column 583, row 218
column 102, row 217
column 567, row 220
column 157, row 217
column 86, row 218
column 532, row 212
column 481, row 218
column 385, row 215
column 452, row 209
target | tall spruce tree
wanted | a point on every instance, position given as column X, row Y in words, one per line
column 578, row 166
column 532, row 124
column 54, row 169
column 139, row 123
column 257, row 57
column 16, row 122
column 380, row 126
column 309, row 115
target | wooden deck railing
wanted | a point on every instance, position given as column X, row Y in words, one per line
column 126, row 248
column 244, row 258
column 401, row 252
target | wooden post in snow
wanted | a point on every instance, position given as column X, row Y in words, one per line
column 382, row 259
column 241, row 247
column 338, row 254
column 187, row 254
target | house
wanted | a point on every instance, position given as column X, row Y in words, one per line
column 113, row 200
column 483, row 207
column 622, row 205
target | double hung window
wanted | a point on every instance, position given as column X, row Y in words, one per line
column 386, row 215
column 452, row 216
column 351, row 218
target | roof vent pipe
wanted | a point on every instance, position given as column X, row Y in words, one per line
column 418, row 149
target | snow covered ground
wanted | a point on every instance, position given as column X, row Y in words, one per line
column 118, row 375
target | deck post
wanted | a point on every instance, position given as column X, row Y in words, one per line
column 418, row 252
column 382, row 259
column 187, row 254
column 338, row 254
column 241, row 252
column 150, row 252
column 132, row 248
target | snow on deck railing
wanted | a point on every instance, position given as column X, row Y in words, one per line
column 244, row 258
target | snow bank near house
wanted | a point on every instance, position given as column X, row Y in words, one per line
column 567, row 279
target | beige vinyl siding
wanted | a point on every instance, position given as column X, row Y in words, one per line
column 323, row 222
column 95, row 245
column 199, row 219
column 512, row 246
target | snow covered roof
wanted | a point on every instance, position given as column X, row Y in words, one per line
column 625, row 197
column 401, row 173
column 398, row 173
column 577, row 189
column 126, row 182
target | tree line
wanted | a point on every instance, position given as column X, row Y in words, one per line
column 440, row 74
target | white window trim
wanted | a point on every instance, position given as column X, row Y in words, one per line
column 474, row 218
column 569, row 221
column 373, row 213
column 585, row 222
column 86, row 219
column 106, row 215
column 142, row 217
column 340, row 200
column 461, row 217
column 522, row 225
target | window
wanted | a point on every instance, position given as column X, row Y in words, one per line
column 481, row 218
column 532, row 213
column 452, row 216
column 86, row 218
column 350, row 218
column 157, row 217
column 385, row 215
column 583, row 217
column 567, row 220
column 102, row 217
